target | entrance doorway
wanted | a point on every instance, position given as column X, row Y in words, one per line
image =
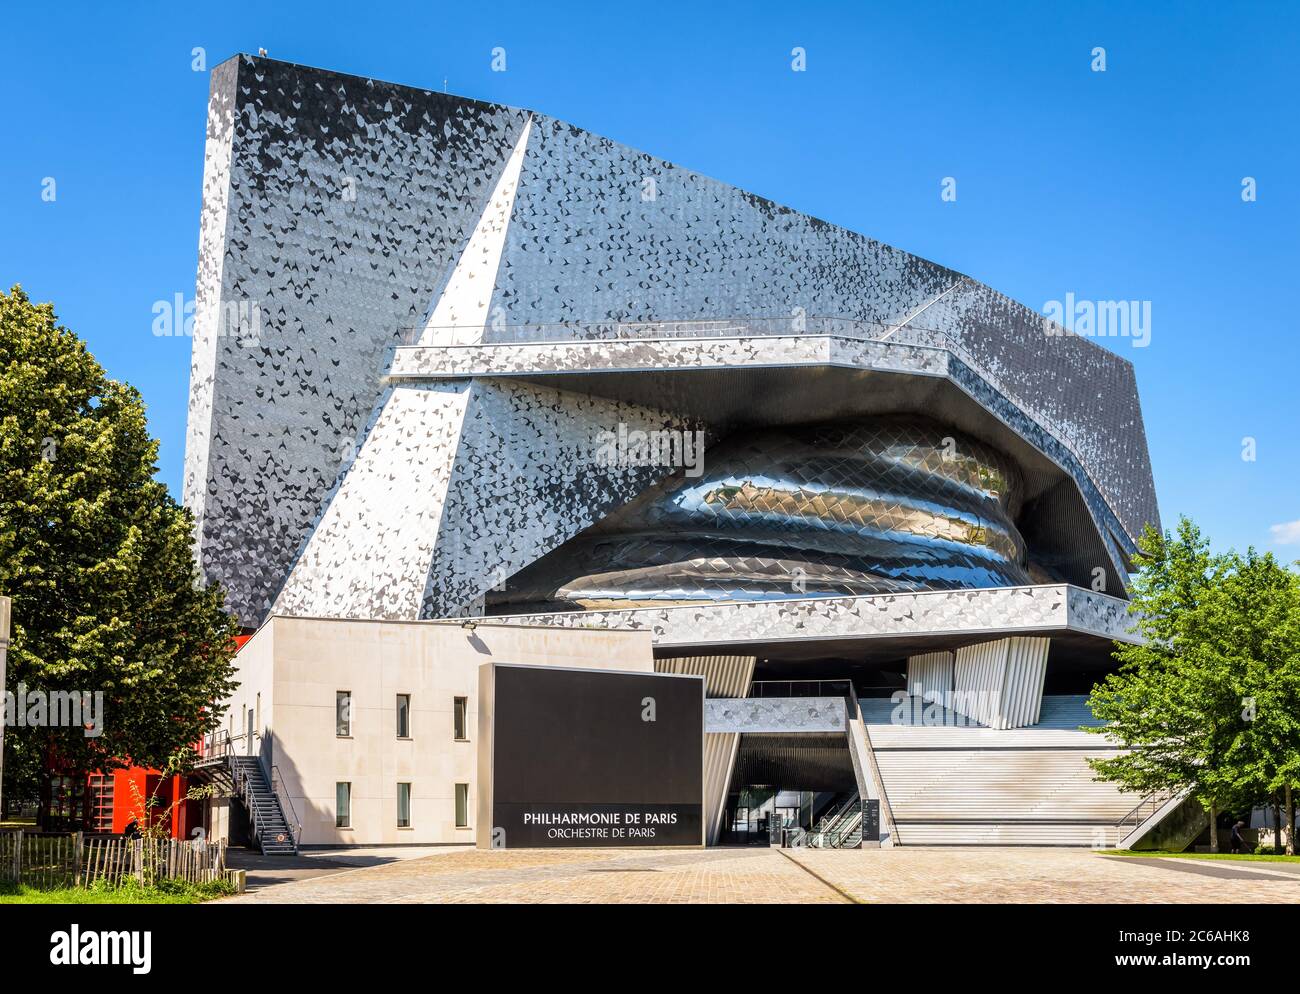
column 757, row 815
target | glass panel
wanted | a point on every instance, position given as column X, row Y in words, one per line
column 459, row 723
column 343, row 712
column 403, row 805
column 462, row 805
column 342, row 805
column 403, row 716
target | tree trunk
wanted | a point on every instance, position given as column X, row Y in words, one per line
column 1214, row 828
column 1290, row 821
column 44, row 795
column 1277, row 823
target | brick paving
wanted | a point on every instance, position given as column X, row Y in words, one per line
column 763, row 876
column 918, row 875
column 606, row 876
column 273, row 870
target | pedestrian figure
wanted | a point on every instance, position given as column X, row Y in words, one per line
column 1238, row 840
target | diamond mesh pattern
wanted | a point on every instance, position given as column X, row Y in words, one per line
column 880, row 506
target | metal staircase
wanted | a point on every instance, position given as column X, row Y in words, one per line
column 271, row 828
column 273, row 821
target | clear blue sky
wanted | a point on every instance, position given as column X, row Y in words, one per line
column 1117, row 185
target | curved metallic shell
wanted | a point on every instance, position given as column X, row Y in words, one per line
column 877, row 506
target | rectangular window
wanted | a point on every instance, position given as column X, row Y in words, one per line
column 403, row 805
column 462, row 805
column 403, row 716
column 460, row 718
column 343, row 805
column 343, row 713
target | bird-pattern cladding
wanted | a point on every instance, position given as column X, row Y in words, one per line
column 341, row 214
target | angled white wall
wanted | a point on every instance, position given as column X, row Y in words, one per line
column 461, row 311
column 455, row 487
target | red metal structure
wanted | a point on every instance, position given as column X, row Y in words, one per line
column 119, row 797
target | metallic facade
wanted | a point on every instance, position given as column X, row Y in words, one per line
column 966, row 616
column 438, row 298
column 420, row 320
column 850, row 508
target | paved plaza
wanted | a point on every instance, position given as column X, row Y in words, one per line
column 770, row 876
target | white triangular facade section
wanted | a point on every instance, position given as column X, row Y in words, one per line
column 461, row 312
column 456, row 487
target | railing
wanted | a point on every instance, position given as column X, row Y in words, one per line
column 840, row 830
column 839, row 838
column 216, row 745
column 1143, row 810
column 287, row 810
column 799, row 688
column 828, row 822
column 242, row 782
column 261, row 830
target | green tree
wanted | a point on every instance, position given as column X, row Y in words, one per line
column 1210, row 702
column 98, row 560
column 1169, row 703
column 1251, row 622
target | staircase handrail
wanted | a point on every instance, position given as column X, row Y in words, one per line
column 827, row 822
column 291, row 814
column 216, row 745
column 1155, row 799
column 241, row 779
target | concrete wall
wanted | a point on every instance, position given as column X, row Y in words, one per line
column 298, row 665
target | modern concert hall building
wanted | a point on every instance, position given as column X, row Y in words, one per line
column 474, row 389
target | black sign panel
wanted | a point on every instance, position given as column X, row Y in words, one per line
column 870, row 821
column 596, row 758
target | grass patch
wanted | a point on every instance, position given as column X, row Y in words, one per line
column 164, row 892
column 1244, row 857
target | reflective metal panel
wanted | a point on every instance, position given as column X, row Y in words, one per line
column 879, row 506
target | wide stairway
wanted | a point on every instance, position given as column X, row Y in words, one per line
column 955, row 784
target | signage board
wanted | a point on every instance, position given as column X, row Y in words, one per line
column 588, row 757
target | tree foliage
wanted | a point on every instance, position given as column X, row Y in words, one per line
column 1209, row 703
column 97, row 558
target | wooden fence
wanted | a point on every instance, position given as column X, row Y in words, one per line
column 47, row 861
